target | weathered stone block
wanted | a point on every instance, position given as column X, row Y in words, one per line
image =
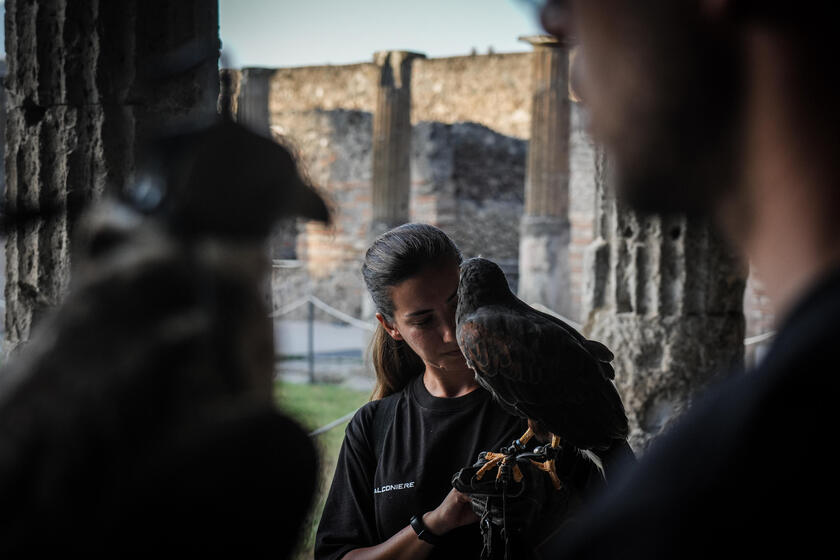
column 85, row 81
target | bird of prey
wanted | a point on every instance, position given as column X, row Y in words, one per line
column 141, row 409
column 537, row 367
column 222, row 180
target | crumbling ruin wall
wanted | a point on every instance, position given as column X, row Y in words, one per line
column 665, row 294
column 467, row 180
column 467, row 177
column 583, row 154
column 85, row 80
column 489, row 90
column 350, row 87
column 492, row 90
column 334, row 148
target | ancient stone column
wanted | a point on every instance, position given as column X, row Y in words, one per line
column 252, row 103
column 392, row 140
column 229, row 82
column 544, row 234
column 666, row 295
column 85, row 80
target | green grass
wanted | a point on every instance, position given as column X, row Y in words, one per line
column 315, row 406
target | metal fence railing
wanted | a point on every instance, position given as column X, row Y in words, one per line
column 312, row 303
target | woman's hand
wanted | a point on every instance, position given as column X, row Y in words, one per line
column 454, row 511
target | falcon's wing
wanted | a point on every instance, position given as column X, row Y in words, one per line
column 537, row 367
column 597, row 349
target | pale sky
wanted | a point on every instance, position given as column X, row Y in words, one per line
column 277, row 33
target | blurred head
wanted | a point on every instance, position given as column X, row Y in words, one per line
column 666, row 81
column 411, row 273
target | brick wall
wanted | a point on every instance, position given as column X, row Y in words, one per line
column 333, row 147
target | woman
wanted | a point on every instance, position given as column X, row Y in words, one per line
column 391, row 495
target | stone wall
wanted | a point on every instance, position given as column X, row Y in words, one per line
column 85, row 81
column 334, row 150
column 451, row 97
column 492, row 90
column 665, row 295
column 351, row 87
column 757, row 308
column 467, row 180
column 583, row 158
column 759, row 317
column 469, row 116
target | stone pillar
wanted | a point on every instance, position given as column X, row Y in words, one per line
column 391, row 180
column 665, row 294
column 392, row 140
column 252, row 103
column 85, row 81
column 253, row 91
column 229, row 82
column 544, row 241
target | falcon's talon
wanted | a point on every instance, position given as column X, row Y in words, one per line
column 492, row 460
column 548, row 467
column 499, row 471
column 543, row 457
column 525, row 438
column 506, row 460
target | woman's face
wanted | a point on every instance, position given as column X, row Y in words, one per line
column 424, row 315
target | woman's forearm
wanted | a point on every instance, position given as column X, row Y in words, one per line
column 454, row 511
column 404, row 544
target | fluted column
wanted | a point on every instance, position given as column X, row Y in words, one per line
column 544, row 241
column 84, row 81
column 666, row 295
column 392, row 140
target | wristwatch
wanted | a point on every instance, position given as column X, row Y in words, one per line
column 423, row 532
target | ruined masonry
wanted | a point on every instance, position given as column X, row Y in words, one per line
column 84, row 81
column 666, row 296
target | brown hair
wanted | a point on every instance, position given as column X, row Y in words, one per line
column 395, row 256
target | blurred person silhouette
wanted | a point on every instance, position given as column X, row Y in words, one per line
column 139, row 417
column 728, row 109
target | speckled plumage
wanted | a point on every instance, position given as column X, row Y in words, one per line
column 537, row 366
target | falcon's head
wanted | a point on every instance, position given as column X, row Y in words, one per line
column 482, row 283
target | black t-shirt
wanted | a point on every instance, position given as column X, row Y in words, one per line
column 431, row 438
column 748, row 471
